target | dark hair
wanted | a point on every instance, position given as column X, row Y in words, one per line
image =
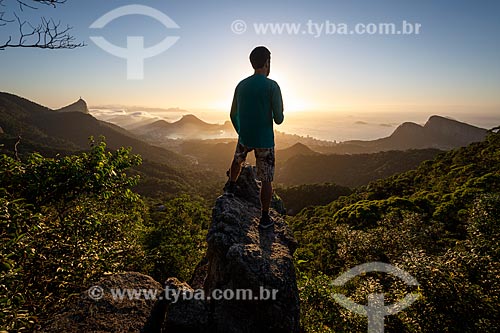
column 259, row 56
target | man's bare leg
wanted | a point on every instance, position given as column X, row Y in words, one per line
column 235, row 171
column 266, row 192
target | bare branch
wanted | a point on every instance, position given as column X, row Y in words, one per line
column 46, row 35
column 21, row 4
column 53, row 3
column 3, row 20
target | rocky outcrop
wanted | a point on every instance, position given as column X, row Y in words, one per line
column 245, row 284
column 242, row 258
column 97, row 311
column 78, row 106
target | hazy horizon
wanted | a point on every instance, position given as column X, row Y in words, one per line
column 340, row 126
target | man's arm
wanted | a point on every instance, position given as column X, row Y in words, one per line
column 277, row 104
column 234, row 112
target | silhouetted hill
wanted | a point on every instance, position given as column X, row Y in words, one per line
column 78, row 106
column 70, row 131
column 454, row 133
column 192, row 120
column 295, row 150
column 407, row 134
column 159, row 124
column 438, row 132
column 188, row 127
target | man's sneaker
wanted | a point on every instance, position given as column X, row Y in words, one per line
column 265, row 221
column 230, row 189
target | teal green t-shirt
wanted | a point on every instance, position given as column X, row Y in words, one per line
column 257, row 102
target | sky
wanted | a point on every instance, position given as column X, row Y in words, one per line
column 452, row 65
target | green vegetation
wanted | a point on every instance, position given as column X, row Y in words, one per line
column 67, row 217
column 298, row 197
column 175, row 238
column 440, row 223
column 350, row 170
column 66, row 221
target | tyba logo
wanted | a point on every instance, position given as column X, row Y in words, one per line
column 376, row 310
column 135, row 52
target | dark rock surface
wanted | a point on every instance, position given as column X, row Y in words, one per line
column 241, row 256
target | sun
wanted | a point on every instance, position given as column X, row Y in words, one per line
column 294, row 104
column 292, row 100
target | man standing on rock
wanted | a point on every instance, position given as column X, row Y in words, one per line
column 257, row 101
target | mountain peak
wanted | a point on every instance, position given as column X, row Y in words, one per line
column 299, row 148
column 78, row 106
column 438, row 117
column 190, row 119
column 295, row 150
column 440, row 123
column 407, row 129
column 440, row 120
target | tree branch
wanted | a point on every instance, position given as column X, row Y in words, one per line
column 53, row 3
column 3, row 20
column 46, row 35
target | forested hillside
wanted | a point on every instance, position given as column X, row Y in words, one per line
column 440, row 223
column 28, row 127
column 350, row 170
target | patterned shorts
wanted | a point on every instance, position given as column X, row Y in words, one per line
column 264, row 159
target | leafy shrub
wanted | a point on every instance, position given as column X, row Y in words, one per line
column 175, row 238
column 64, row 221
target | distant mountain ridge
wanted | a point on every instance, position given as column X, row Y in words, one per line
column 68, row 129
column 188, row 127
column 438, row 132
column 404, row 149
